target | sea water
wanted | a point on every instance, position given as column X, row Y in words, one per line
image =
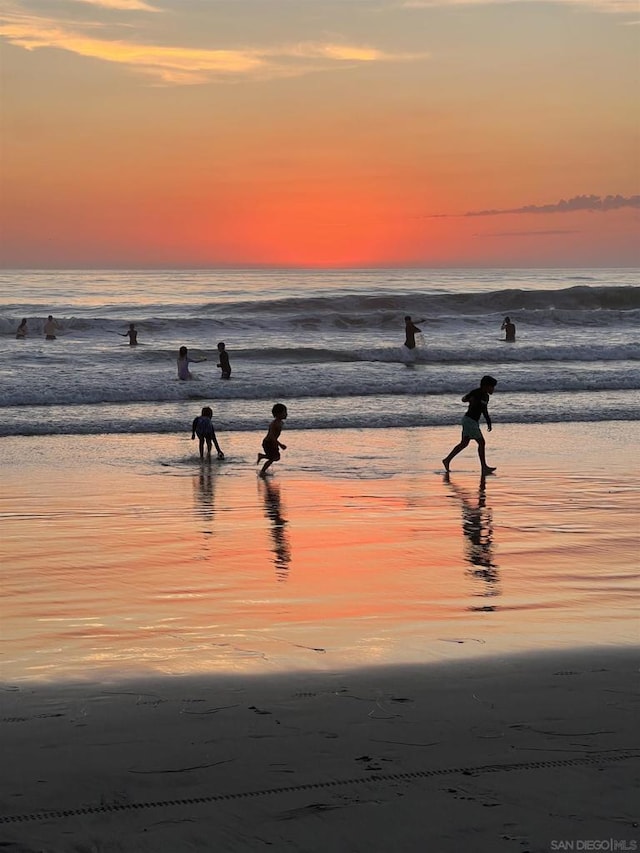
column 329, row 344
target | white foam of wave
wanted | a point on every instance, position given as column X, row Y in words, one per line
column 309, row 413
column 71, row 382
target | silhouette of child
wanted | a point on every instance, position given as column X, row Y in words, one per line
column 477, row 400
column 203, row 428
column 271, row 445
column 184, row 361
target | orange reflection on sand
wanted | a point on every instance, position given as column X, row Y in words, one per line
column 204, row 567
column 137, row 579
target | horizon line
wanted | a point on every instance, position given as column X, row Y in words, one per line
column 268, row 268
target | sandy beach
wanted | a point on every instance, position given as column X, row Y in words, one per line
column 521, row 753
column 359, row 654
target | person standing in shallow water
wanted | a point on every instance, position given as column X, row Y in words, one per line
column 509, row 329
column 132, row 334
column 21, row 331
column 223, row 361
column 410, row 331
column 183, row 363
column 50, row 328
column 477, row 400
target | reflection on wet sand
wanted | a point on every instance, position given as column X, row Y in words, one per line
column 203, row 483
column 477, row 527
column 273, row 511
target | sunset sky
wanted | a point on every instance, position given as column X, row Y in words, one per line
column 353, row 133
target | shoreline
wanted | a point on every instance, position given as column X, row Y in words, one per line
column 484, row 755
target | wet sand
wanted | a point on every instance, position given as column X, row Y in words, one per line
column 357, row 654
column 124, row 555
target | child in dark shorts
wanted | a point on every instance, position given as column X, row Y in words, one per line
column 271, row 445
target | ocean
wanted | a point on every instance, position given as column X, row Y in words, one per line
column 329, row 344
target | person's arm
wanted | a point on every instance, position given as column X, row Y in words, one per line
column 466, row 397
column 485, row 412
column 217, row 446
column 193, row 428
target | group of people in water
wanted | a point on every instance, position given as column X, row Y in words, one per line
column 202, row 426
column 184, row 360
column 411, row 330
column 49, row 328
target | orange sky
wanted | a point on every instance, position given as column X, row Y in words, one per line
column 152, row 133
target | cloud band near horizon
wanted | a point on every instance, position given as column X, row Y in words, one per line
column 593, row 203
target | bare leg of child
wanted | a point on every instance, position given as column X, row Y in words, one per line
column 208, row 448
column 261, row 456
column 201, row 448
column 457, row 449
column 266, row 465
column 486, row 469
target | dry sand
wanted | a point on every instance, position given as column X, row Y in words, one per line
column 518, row 754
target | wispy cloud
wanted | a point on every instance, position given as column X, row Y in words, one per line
column 555, row 233
column 179, row 64
column 602, row 204
column 124, row 5
column 612, row 6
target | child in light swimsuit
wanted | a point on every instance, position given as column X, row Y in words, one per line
column 183, row 363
